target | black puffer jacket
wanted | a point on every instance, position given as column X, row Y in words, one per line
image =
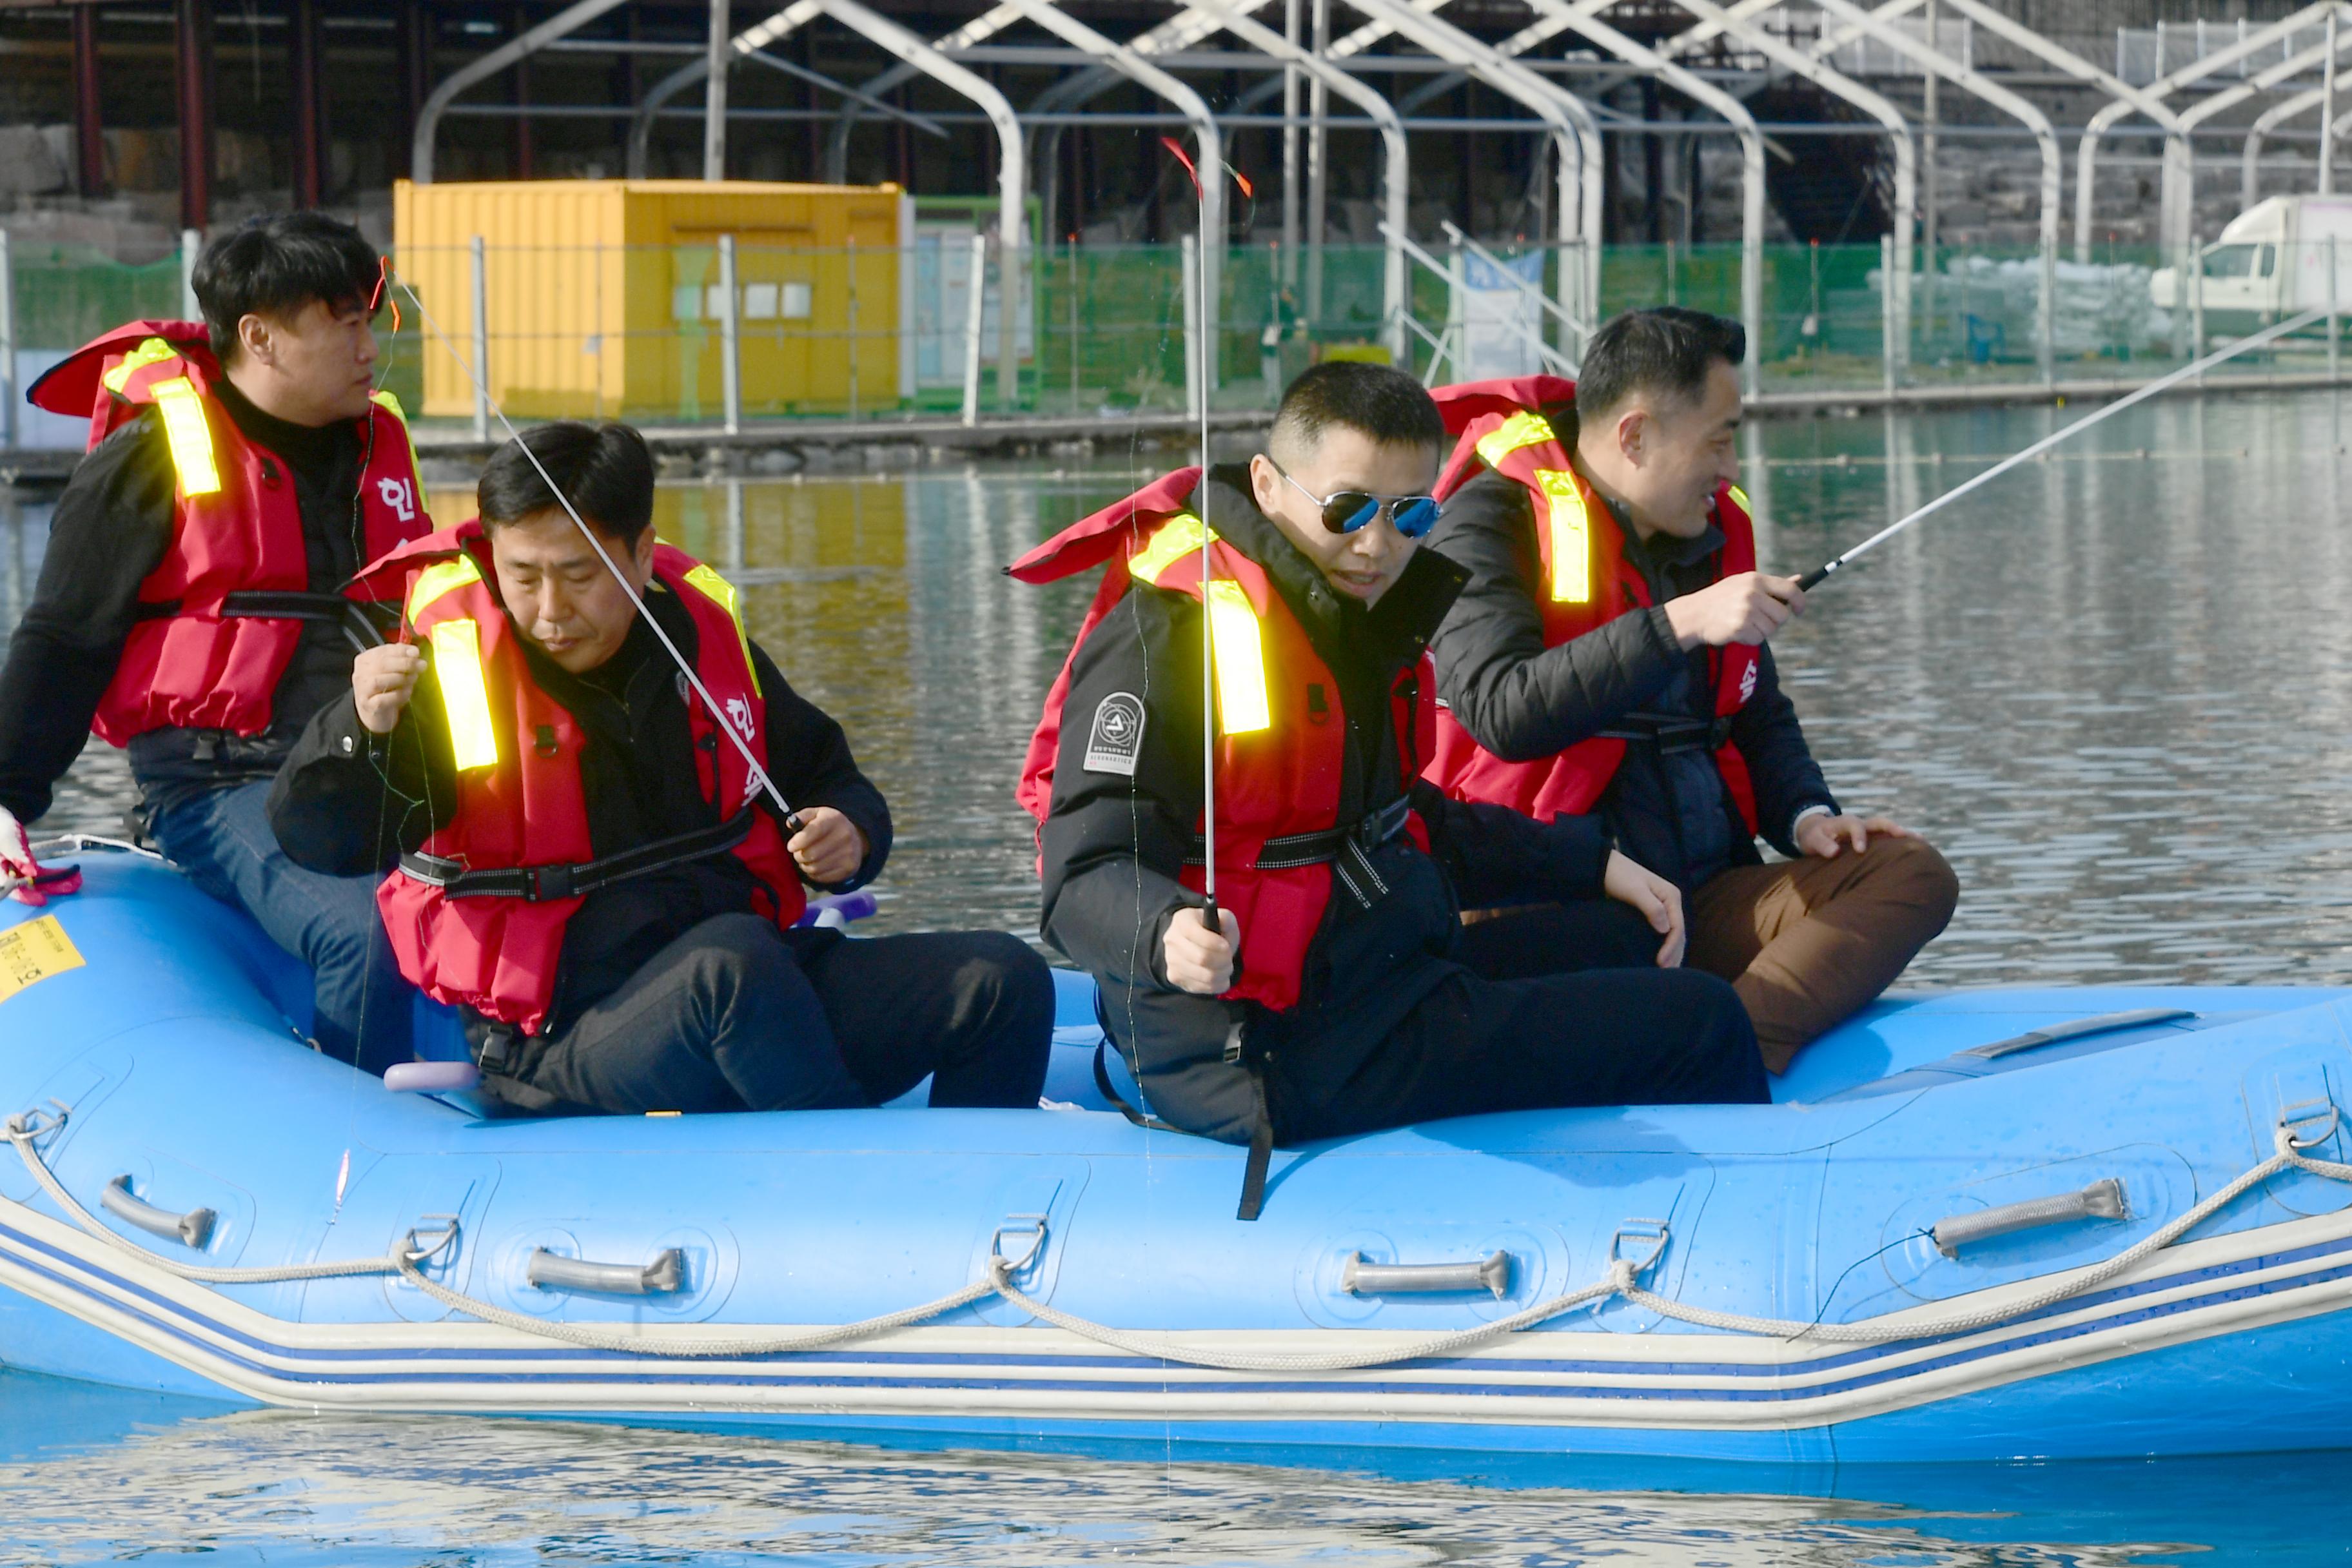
column 348, row 802
column 112, row 528
column 1668, row 809
column 1112, row 846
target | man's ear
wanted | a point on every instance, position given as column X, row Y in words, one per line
column 643, row 555
column 1264, row 481
column 253, row 339
column 1633, row 429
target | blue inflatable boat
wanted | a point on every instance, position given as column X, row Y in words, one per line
column 1976, row 1226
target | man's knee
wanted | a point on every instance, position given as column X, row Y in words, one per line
column 740, row 955
column 1007, row 979
column 1719, row 1040
column 1915, row 876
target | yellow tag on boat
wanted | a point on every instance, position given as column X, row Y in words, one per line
column 35, row 951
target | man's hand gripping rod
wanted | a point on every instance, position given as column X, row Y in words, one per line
column 760, row 779
column 1812, row 579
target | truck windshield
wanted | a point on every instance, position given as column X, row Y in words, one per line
column 2230, row 261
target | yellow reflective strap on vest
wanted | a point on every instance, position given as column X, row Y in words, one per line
column 441, row 577
column 391, row 405
column 465, row 693
column 1571, row 538
column 1180, row 536
column 1241, row 705
column 1741, row 497
column 154, row 351
column 1525, row 428
column 715, row 587
column 188, row 435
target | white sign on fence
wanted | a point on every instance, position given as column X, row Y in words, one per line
column 1501, row 323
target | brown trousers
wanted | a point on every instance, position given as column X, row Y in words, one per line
column 1808, row 943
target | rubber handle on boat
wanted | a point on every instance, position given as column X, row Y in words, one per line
column 2100, row 1200
column 1491, row 1273
column 552, row 1272
column 431, row 1078
column 191, row 1230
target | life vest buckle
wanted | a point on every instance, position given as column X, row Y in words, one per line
column 542, row 883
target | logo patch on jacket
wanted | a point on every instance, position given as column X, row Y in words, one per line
column 1747, row 683
column 1116, row 738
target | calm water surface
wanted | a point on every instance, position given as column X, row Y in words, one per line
column 2115, row 688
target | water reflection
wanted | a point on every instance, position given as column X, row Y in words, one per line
column 2113, row 686
column 96, row 1475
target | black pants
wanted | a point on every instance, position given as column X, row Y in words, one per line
column 731, row 1017
column 1594, row 1036
column 1556, row 939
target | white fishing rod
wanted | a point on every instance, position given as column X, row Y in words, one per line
column 1207, row 346
column 760, row 779
column 2162, row 384
column 1201, row 345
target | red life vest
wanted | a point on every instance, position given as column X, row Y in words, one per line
column 197, row 658
column 1283, row 733
column 519, row 831
column 1588, row 581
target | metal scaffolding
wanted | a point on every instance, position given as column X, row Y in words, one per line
column 1556, row 73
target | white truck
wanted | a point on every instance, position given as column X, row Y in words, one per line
column 2271, row 261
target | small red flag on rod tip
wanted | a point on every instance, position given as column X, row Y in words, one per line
column 1190, row 170
column 1193, row 170
column 383, row 291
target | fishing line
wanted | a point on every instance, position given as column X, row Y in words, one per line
column 1812, row 579
column 760, row 779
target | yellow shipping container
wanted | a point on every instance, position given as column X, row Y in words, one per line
column 603, row 302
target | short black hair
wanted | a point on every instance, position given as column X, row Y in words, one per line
column 1664, row 350
column 1378, row 402
column 604, row 469
column 275, row 265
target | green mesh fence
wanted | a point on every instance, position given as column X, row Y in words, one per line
column 1102, row 327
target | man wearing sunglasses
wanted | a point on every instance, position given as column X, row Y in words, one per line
column 1610, row 653
column 1336, row 992
column 189, row 608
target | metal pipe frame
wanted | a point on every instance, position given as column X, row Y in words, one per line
column 2277, row 114
column 1906, row 158
column 1975, row 83
column 748, row 44
column 1396, row 181
column 1752, row 158
column 1574, row 131
column 1210, row 156
column 716, row 59
column 2086, row 153
column 570, row 19
column 2174, row 193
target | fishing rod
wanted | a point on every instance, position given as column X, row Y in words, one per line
column 1812, row 579
column 1208, row 613
column 1202, row 345
column 760, row 779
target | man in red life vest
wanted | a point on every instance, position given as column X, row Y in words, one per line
column 584, row 858
column 1609, row 653
column 241, row 470
column 1338, row 992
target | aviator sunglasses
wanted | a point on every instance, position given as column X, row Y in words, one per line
column 1344, row 511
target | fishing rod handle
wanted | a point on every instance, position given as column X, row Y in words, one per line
column 1812, row 579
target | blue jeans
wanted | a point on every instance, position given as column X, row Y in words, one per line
column 363, row 1007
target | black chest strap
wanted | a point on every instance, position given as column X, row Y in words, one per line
column 348, row 615
column 534, row 884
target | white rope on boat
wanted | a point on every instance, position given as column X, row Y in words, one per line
column 25, row 1127
column 1622, row 1280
